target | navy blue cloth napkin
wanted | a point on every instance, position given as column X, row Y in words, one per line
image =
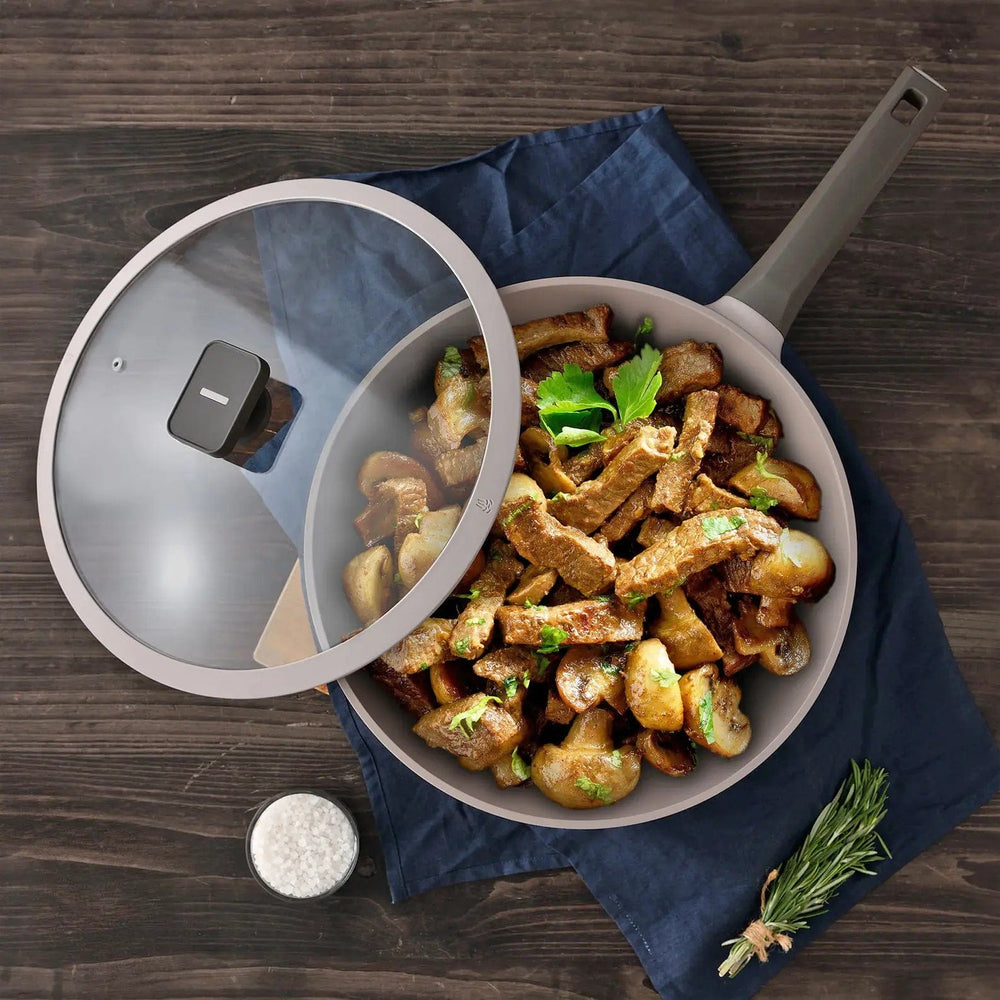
column 622, row 197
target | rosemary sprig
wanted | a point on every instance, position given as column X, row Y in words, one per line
column 842, row 842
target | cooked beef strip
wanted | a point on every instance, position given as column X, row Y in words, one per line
column 741, row 410
column 706, row 496
column 775, row 612
column 456, row 468
column 535, row 583
column 598, row 498
column 507, row 661
column 708, row 594
column 583, row 622
column 556, row 710
column 673, row 481
column 468, row 368
column 653, row 530
column 426, row 645
column 635, row 509
column 529, row 399
column 694, row 545
column 588, row 357
column 391, row 510
column 542, row 540
column 495, row 734
column 588, row 327
column 727, row 453
column 412, row 691
column 474, row 628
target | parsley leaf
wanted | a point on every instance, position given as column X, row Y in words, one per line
column 633, row 599
column 418, row 518
column 665, row 678
column 516, row 512
column 558, row 497
column 471, row 595
column 676, row 456
column 616, row 758
column 397, row 577
column 462, row 646
column 761, row 440
column 519, row 766
column 611, row 669
column 594, row 790
column 603, row 598
column 541, row 665
column 761, row 460
column 551, row 639
column 529, row 604
column 510, row 685
column 424, row 666
column 451, row 363
column 759, row 500
column 644, row 329
column 705, row 718
column 526, row 679
column 475, row 621
column 569, row 407
column 466, row 721
column 636, row 384
column 722, row 524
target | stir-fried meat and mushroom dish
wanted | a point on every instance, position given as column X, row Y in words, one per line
column 641, row 560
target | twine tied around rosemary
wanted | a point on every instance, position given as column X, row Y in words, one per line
column 842, row 842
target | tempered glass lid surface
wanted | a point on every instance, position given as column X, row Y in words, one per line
column 277, row 330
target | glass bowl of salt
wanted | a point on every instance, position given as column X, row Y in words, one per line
column 302, row 845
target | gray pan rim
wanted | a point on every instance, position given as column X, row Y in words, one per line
column 474, row 523
column 601, row 819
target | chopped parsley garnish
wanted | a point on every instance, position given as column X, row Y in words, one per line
column 705, row 719
column 722, row 524
column 510, row 685
column 526, row 679
column 679, row 583
column 471, row 595
column 603, row 598
column 529, row 604
column 541, row 665
column 759, row 500
column 475, row 621
column 462, row 646
column 423, row 666
column 466, row 721
column 616, row 758
column 761, row 461
column 676, row 456
column 761, row 440
column 451, row 363
column 633, row 599
column 519, row 766
column 665, row 678
column 559, row 497
column 551, row 639
column 594, row 790
column 611, row 669
column 644, row 329
column 510, row 517
column 418, row 518
column 572, row 410
column 629, row 646
column 397, row 577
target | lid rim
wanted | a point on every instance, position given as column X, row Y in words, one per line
column 474, row 524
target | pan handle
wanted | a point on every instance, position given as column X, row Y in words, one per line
column 777, row 285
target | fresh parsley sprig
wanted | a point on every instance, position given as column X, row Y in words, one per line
column 843, row 842
column 552, row 639
column 572, row 410
column 466, row 721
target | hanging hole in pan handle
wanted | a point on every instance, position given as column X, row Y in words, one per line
column 908, row 106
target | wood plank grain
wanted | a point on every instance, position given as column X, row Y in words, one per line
column 123, row 804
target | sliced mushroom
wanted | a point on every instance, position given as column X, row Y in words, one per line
column 791, row 652
column 529, row 399
column 651, row 687
column 695, row 544
column 742, row 410
column 474, row 628
column 557, row 711
column 792, row 486
column 448, row 682
column 421, row 547
column 798, row 569
column 586, row 770
column 383, row 465
column 709, row 595
column 368, row 583
column 475, row 728
column 456, row 468
column 712, row 716
column 670, row 753
column 504, row 773
column 688, row 640
column 456, row 412
column 775, row 612
column 586, row 676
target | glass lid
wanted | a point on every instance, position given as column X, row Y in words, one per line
column 272, row 450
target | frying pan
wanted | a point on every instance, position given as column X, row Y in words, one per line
column 748, row 325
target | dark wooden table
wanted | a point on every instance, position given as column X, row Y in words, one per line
column 123, row 804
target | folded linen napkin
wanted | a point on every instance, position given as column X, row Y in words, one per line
column 622, row 198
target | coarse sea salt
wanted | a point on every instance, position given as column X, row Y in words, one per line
column 302, row 845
